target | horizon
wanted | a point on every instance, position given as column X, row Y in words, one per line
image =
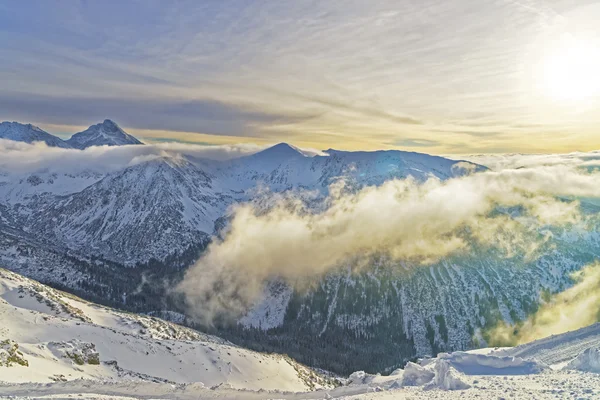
column 477, row 77
column 266, row 144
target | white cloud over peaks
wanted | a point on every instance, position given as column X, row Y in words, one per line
column 18, row 157
column 401, row 219
column 503, row 161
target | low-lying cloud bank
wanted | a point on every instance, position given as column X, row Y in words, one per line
column 572, row 309
column 19, row 157
column 498, row 162
column 510, row 209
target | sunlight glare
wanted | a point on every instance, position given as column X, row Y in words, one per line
column 572, row 71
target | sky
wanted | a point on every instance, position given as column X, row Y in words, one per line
column 442, row 77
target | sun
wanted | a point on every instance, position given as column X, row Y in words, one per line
column 572, row 71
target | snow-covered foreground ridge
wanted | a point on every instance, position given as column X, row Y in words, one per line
column 53, row 345
column 49, row 336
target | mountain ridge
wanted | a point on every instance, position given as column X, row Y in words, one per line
column 106, row 133
column 29, row 133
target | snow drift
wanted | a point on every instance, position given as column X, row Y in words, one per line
column 587, row 361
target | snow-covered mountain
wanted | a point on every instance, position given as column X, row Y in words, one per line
column 283, row 167
column 106, row 133
column 163, row 206
column 29, row 133
column 153, row 209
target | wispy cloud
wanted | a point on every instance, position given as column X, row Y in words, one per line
column 361, row 73
column 24, row 158
column 574, row 308
column 416, row 143
column 401, row 221
column 203, row 116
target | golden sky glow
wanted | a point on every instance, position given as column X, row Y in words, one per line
column 433, row 76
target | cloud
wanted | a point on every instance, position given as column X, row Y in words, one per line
column 199, row 115
column 416, row 143
column 502, row 161
column 574, row 308
column 478, row 134
column 24, row 158
column 400, row 220
column 19, row 158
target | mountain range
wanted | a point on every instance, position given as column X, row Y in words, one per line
column 123, row 238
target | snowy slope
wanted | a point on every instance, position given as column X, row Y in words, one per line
column 47, row 336
column 24, row 188
column 29, row 133
column 106, row 133
column 483, row 374
column 152, row 209
column 558, row 350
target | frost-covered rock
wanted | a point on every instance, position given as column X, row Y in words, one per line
column 447, row 370
column 395, row 385
column 586, row 361
column 357, row 377
column 10, row 354
column 436, row 373
column 447, row 378
column 361, row 378
column 416, row 375
column 79, row 352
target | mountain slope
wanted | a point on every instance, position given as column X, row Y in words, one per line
column 29, row 133
column 56, row 337
column 150, row 210
column 106, row 133
column 394, row 312
column 54, row 345
column 24, row 188
column 558, row 350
